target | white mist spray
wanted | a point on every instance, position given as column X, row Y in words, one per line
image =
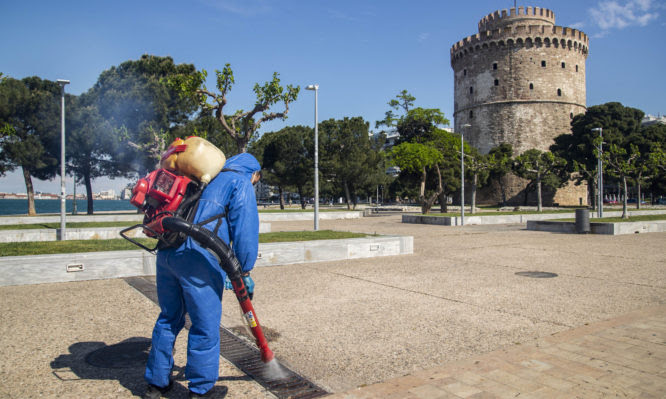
column 275, row 371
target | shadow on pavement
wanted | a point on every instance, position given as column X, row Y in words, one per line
column 124, row 362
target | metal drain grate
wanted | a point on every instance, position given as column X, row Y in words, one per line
column 537, row 274
column 278, row 379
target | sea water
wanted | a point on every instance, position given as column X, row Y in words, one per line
column 20, row 206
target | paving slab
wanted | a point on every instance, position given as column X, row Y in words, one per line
column 610, row 358
column 365, row 323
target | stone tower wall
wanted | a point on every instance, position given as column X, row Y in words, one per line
column 520, row 80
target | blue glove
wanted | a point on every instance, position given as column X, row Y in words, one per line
column 247, row 280
column 249, row 285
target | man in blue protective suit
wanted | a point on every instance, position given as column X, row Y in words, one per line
column 189, row 279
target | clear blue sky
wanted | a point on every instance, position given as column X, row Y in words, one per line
column 361, row 52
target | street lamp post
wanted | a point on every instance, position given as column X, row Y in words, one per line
column 316, row 156
column 600, row 173
column 63, row 193
column 462, row 172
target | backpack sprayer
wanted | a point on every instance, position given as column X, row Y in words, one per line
column 168, row 202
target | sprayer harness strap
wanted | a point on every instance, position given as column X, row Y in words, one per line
column 219, row 216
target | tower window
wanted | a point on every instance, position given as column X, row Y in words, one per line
column 464, row 72
column 531, row 86
column 571, row 115
column 559, row 92
column 563, row 65
column 495, row 65
column 496, row 82
column 543, row 63
column 471, row 114
column 471, row 90
column 576, row 68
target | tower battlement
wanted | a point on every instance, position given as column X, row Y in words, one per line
column 522, row 35
column 499, row 19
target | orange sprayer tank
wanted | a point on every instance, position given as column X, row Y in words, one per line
column 195, row 158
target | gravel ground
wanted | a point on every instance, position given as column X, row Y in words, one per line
column 349, row 323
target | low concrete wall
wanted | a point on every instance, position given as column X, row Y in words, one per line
column 121, row 217
column 599, row 228
column 263, row 217
column 326, row 250
column 511, row 219
column 292, row 216
column 20, row 270
column 90, row 233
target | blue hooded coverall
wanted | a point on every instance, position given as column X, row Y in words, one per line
column 189, row 278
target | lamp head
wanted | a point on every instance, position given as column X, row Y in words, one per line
column 62, row 82
column 312, row 87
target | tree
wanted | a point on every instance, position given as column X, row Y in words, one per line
column 30, row 116
column 479, row 166
column 622, row 164
column 418, row 124
column 500, row 158
column 141, row 107
column 288, row 158
column 580, row 148
column 448, row 144
column 540, row 168
column 404, row 101
column 241, row 125
column 92, row 149
column 206, row 126
column 419, row 158
column 648, row 140
column 349, row 159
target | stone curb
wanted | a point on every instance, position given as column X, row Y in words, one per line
column 599, row 228
column 507, row 219
column 37, row 269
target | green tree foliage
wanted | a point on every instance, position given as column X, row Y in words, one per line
column 349, row 157
column 288, row 160
column 580, row 149
column 403, row 101
column 92, row 149
column 621, row 164
column 649, row 140
column 418, row 125
column 138, row 104
column 206, row 126
column 478, row 166
column 417, row 158
column 541, row 169
column 448, row 144
column 30, row 120
column 241, row 125
column 501, row 160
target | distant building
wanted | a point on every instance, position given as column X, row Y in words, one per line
column 126, row 193
column 649, row 120
column 263, row 191
column 106, row 194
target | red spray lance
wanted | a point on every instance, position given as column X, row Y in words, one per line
column 165, row 199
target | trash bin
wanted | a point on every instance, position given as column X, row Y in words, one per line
column 582, row 221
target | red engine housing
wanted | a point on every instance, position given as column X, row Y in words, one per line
column 158, row 195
